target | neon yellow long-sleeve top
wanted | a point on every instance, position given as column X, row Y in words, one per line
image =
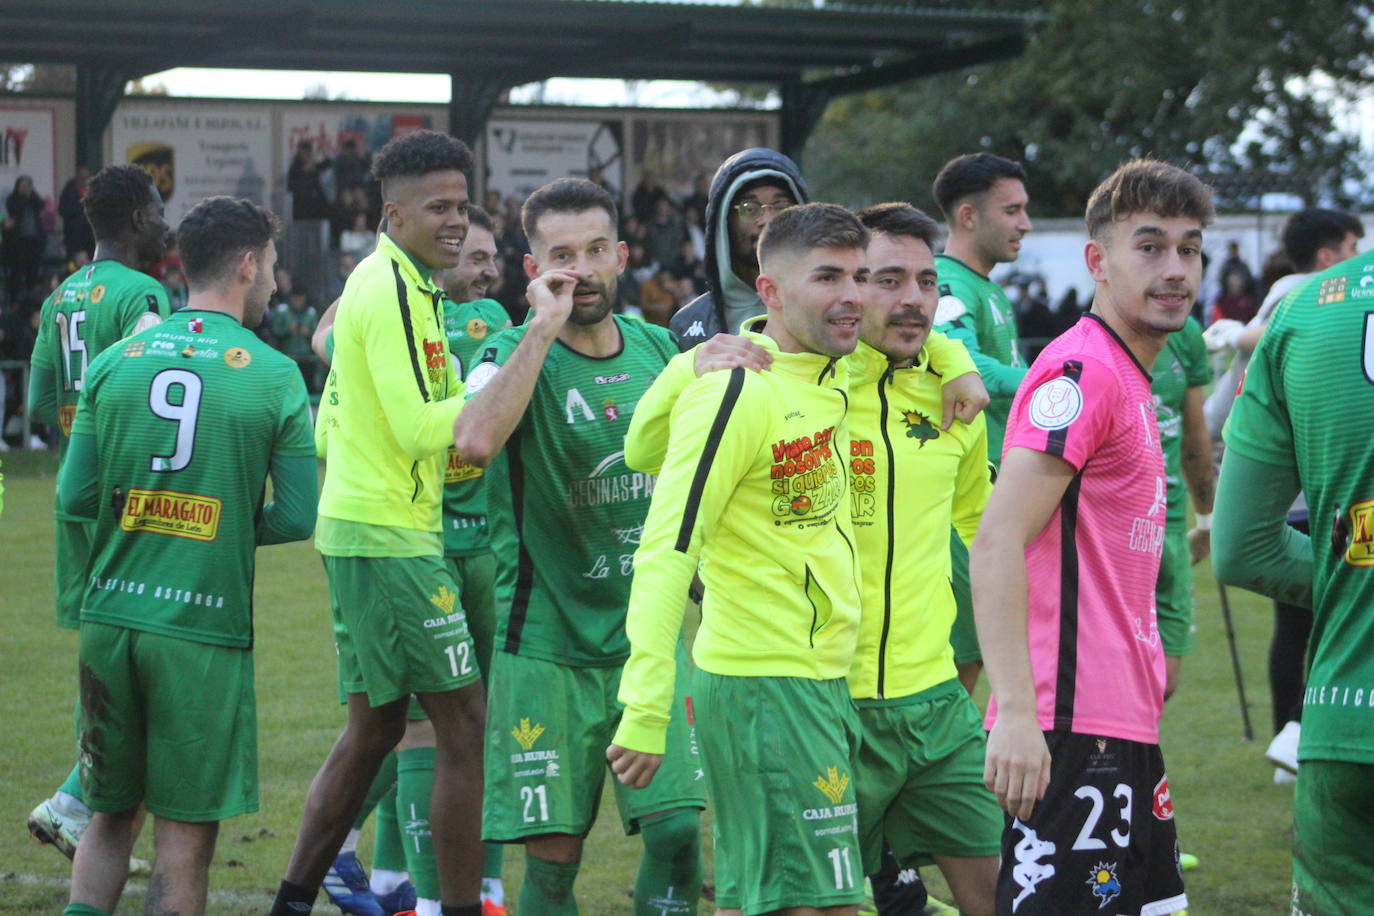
column 389, row 404
column 753, row 489
column 909, row 481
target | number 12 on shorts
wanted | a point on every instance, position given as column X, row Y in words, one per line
column 459, row 658
column 844, row 869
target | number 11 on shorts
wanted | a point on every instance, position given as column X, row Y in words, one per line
column 844, row 871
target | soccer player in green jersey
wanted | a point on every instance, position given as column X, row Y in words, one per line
column 177, row 431
column 550, row 402
column 985, row 205
column 1177, row 381
column 102, row 302
column 387, row 412
column 1294, row 426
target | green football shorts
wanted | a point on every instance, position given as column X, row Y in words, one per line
column 920, row 779
column 476, row 578
column 963, row 636
column 1333, row 831
column 73, row 553
column 1174, row 592
column 548, row 727
column 167, row 722
column 398, row 627
column 781, row 757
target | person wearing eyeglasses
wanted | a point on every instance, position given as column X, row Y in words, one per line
column 748, row 190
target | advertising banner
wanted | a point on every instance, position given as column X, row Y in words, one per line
column 523, row 154
column 196, row 150
column 28, row 146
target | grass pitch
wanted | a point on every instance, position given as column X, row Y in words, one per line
column 1230, row 814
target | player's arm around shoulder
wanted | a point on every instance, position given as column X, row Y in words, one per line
column 962, row 391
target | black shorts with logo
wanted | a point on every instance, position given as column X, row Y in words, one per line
column 1102, row 841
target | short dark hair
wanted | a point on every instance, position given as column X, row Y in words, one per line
column 900, row 219
column 480, row 218
column 215, row 234
column 972, row 173
column 1147, row 186
column 1309, row 230
column 808, row 226
column 566, row 195
column 113, row 195
column 418, row 153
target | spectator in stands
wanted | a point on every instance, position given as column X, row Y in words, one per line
column 24, row 236
column 175, row 282
column 350, row 168
column 664, row 235
column 644, row 201
column 76, row 231
column 692, row 219
column 308, row 200
column 358, row 240
column 342, row 268
column 293, row 324
column 690, row 273
column 1237, row 298
column 633, row 231
column 694, row 207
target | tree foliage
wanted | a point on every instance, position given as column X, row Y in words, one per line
column 1221, row 86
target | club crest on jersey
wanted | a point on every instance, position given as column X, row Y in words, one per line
column 918, row 426
column 1055, row 404
column 1162, row 802
column 196, row 325
column 1104, row 883
column 609, row 408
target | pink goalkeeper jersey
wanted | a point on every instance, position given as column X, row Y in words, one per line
column 1094, row 644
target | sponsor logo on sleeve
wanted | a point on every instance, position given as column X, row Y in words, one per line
column 237, row 357
column 97, row 294
column 1331, row 291
column 1359, row 535
column 1055, row 404
column 66, row 414
column 480, row 375
column 459, row 470
column 949, row 308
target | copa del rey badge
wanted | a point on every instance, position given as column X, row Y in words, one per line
column 1055, row 404
column 196, row 325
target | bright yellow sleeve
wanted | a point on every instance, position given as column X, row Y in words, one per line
column 948, row 356
column 398, row 366
column 646, row 443
column 715, row 441
column 973, row 486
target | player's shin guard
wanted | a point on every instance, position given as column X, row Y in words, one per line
column 383, row 785
column 547, row 887
column 670, row 873
column 414, row 782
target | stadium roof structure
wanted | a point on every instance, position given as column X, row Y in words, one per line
column 488, row 46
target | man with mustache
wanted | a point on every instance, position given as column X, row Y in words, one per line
column 753, row 492
column 549, row 404
column 984, row 201
column 1064, row 570
column 919, row 771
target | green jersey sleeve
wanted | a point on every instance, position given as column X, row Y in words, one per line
column 1259, row 425
column 1196, row 369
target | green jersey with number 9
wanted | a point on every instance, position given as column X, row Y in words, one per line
column 187, row 417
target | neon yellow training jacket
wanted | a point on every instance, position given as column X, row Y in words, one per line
column 902, row 520
column 754, row 489
column 390, row 401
